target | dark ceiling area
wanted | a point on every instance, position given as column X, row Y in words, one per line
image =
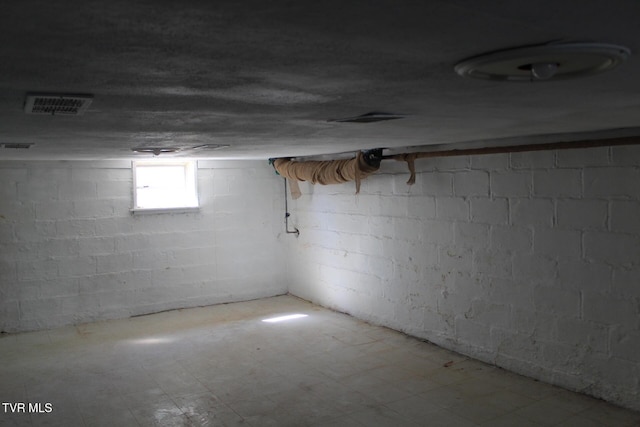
column 274, row 78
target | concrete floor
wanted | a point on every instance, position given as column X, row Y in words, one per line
column 222, row 365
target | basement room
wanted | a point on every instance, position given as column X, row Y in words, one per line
column 342, row 213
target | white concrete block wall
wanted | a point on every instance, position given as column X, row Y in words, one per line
column 530, row 261
column 72, row 252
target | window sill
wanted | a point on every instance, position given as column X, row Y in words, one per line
column 144, row 211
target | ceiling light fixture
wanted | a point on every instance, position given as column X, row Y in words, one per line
column 552, row 61
column 156, row 151
column 17, row 145
column 544, row 70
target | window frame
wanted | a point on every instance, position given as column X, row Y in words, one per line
column 190, row 168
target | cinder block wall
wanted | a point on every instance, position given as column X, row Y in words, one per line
column 529, row 261
column 72, row 252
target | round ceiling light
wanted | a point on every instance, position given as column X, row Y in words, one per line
column 553, row 61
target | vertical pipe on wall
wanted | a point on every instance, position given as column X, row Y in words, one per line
column 286, row 212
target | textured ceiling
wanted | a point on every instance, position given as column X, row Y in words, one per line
column 266, row 76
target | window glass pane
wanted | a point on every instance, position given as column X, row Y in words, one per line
column 165, row 185
column 161, row 176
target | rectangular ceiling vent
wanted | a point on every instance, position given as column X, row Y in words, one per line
column 52, row 104
column 18, row 146
column 211, row 146
column 371, row 117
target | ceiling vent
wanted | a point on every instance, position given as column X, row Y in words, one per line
column 17, row 146
column 60, row 104
column 374, row 116
column 211, row 146
column 552, row 61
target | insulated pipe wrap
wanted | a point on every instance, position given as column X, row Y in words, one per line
column 325, row 172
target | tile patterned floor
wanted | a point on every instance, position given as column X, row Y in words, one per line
column 223, row 366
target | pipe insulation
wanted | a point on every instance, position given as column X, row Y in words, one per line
column 330, row 171
column 368, row 162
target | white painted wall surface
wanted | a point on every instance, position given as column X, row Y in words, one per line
column 72, row 252
column 529, row 261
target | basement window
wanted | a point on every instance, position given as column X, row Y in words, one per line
column 164, row 186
